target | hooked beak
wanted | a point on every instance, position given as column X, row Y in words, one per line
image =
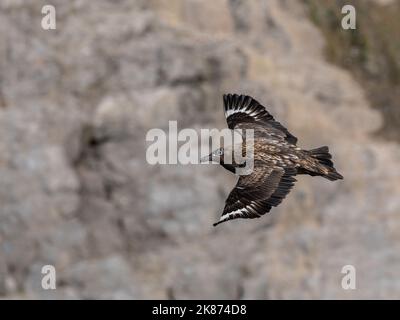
column 206, row 159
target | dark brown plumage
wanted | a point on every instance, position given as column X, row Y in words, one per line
column 277, row 160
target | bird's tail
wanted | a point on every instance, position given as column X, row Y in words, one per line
column 324, row 159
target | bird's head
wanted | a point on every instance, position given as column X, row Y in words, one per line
column 230, row 157
column 215, row 156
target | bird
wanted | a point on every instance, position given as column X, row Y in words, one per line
column 276, row 160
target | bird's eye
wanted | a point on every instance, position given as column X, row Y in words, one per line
column 220, row 152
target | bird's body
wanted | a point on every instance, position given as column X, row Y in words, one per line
column 276, row 158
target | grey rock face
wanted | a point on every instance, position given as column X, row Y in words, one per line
column 76, row 190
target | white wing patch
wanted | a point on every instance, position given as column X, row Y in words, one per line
column 238, row 213
column 251, row 113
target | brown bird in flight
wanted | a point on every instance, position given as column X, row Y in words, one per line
column 276, row 160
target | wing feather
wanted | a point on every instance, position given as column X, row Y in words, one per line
column 241, row 109
column 255, row 194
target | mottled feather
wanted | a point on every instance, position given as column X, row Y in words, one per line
column 277, row 159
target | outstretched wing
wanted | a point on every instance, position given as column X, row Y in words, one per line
column 255, row 194
column 242, row 109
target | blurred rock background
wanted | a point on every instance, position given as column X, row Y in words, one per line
column 76, row 190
